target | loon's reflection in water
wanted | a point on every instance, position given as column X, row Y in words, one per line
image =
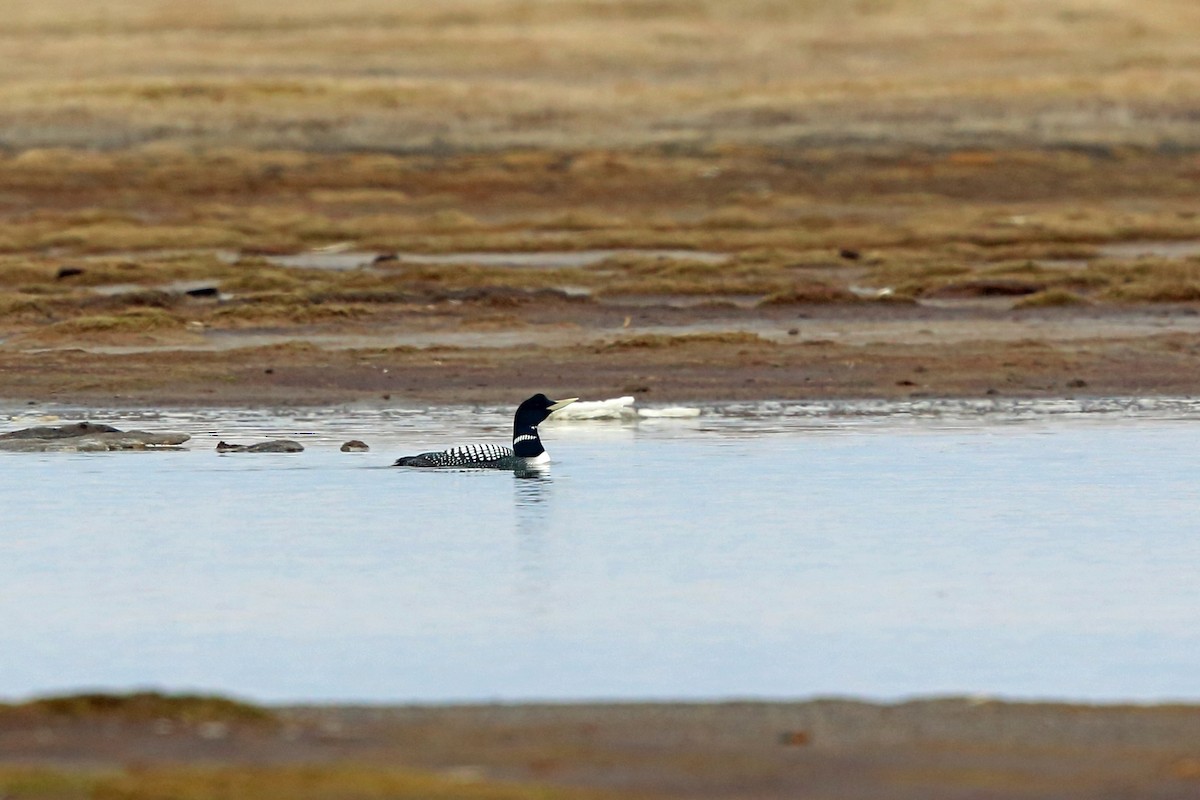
column 532, row 493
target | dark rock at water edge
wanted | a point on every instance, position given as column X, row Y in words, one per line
column 273, row 446
column 86, row 437
column 60, row 431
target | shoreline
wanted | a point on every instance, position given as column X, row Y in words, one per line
column 1148, row 407
column 930, row 748
column 718, row 368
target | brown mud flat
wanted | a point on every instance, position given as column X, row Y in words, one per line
column 983, row 198
column 916, row 354
column 952, row 748
column 191, row 278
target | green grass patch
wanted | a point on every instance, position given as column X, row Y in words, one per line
column 184, row 708
column 36, row 783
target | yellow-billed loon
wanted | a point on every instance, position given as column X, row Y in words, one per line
column 526, row 451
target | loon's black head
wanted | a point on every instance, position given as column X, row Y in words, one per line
column 530, row 414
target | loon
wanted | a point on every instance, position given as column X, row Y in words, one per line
column 527, row 450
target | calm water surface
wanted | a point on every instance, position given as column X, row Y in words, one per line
column 759, row 551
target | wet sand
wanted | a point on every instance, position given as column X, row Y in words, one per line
column 656, row 354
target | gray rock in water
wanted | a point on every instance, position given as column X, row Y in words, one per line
column 85, row 437
column 355, row 446
column 59, row 432
column 273, row 446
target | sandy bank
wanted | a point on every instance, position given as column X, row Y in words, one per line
column 827, row 748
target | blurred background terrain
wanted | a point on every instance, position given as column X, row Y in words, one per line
column 768, row 190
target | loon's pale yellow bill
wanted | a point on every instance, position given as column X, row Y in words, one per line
column 557, row 404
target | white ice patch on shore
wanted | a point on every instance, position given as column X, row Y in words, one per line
column 621, row 408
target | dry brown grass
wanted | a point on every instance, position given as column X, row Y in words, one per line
column 133, row 326
column 264, row 294
column 18, row 307
column 107, row 237
column 148, row 320
column 783, row 134
column 283, row 311
column 660, row 342
column 498, row 73
column 1051, row 298
column 1151, row 280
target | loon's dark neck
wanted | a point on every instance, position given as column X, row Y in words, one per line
column 526, row 442
column 530, row 414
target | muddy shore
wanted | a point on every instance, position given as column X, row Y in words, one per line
column 793, row 353
column 951, row 748
column 667, row 276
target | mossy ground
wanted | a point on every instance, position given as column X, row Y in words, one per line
column 138, row 707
